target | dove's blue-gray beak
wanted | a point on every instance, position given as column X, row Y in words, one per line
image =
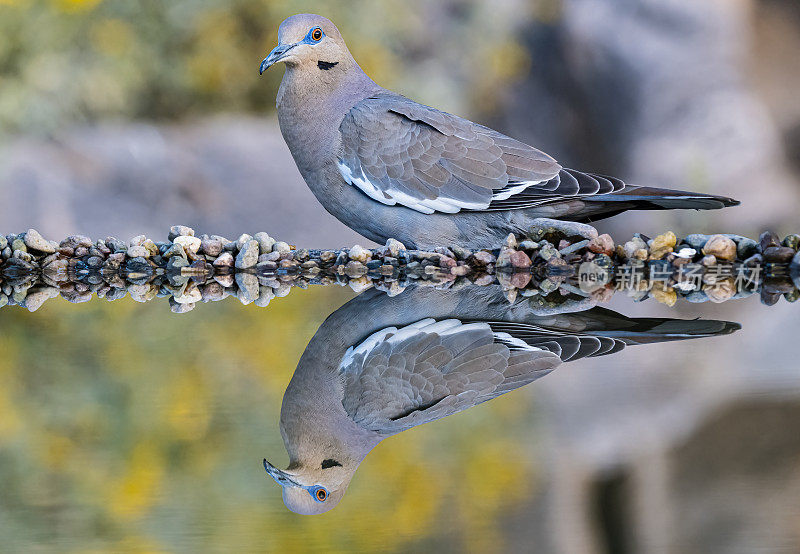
column 277, row 54
column 280, row 476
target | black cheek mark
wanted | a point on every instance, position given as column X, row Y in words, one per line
column 330, row 463
column 325, row 66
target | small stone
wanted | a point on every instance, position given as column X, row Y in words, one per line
column 94, row 262
column 603, row 244
column 696, row 241
column 709, row 260
column 175, row 250
column 460, row 252
column 224, row 280
column 243, row 239
column 150, row 246
column 663, row 245
column 779, row 254
column 248, row 255
column 686, row 253
column 504, row 257
column 602, row 295
column 282, row 290
column 135, row 241
column 392, row 248
column 211, row 247
column 281, row 247
column 664, row 295
column 520, row 259
column 180, row 231
column 633, row 246
column 224, row 260
column 574, row 247
column 175, row 263
column 191, row 245
column 36, row 298
column 359, row 254
column 248, row 286
column 327, row 256
column 177, row 308
column 460, row 270
column 113, row 244
column 511, row 241
column 511, row 295
column 721, row 291
column 548, row 252
column 484, row 258
column 137, row 252
column 360, row 284
column 547, row 286
column 721, row 247
column 355, row 269
column 18, row 245
column 3, row 242
column 188, row 295
column 520, row 279
column 142, row 292
column 792, row 241
column 212, row 292
column 768, row 239
column 35, row 241
column 22, row 255
column 265, row 296
column 745, row 248
column 265, row 242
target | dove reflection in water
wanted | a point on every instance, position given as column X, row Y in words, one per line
column 380, row 365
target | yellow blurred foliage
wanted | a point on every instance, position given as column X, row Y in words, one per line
column 73, row 6
column 126, row 416
column 136, row 489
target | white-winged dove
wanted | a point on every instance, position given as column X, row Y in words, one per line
column 380, row 365
column 389, row 167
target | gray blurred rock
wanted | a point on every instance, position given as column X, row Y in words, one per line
column 223, row 175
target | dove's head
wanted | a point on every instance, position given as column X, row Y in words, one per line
column 309, row 42
column 311, row 490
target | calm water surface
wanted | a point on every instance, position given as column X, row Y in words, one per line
column 126, row 427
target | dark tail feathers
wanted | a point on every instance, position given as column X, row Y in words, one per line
column 651, row 198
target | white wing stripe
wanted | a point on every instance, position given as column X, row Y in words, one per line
column 392, row 197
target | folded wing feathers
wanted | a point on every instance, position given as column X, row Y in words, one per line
column 398, row 378
column 399, row 152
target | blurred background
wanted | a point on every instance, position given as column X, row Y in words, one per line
column 124, row 427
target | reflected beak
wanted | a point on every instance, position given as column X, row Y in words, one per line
column 277, row 54
column 280, row 476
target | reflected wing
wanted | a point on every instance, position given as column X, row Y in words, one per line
column 400, row 152
column 599, row 331
column 399, row 378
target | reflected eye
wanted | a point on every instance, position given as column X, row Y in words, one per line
column 321, row 495
column 316, row 35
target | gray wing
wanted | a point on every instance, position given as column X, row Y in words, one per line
column 400, row 378
column 400, row 152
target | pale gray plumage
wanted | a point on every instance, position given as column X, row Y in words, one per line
column 380, row 365
column 390, row 167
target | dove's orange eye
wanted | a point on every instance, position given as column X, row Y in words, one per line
column 316, row 34
column 321, row 495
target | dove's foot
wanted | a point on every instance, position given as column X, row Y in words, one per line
column 544, row 228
